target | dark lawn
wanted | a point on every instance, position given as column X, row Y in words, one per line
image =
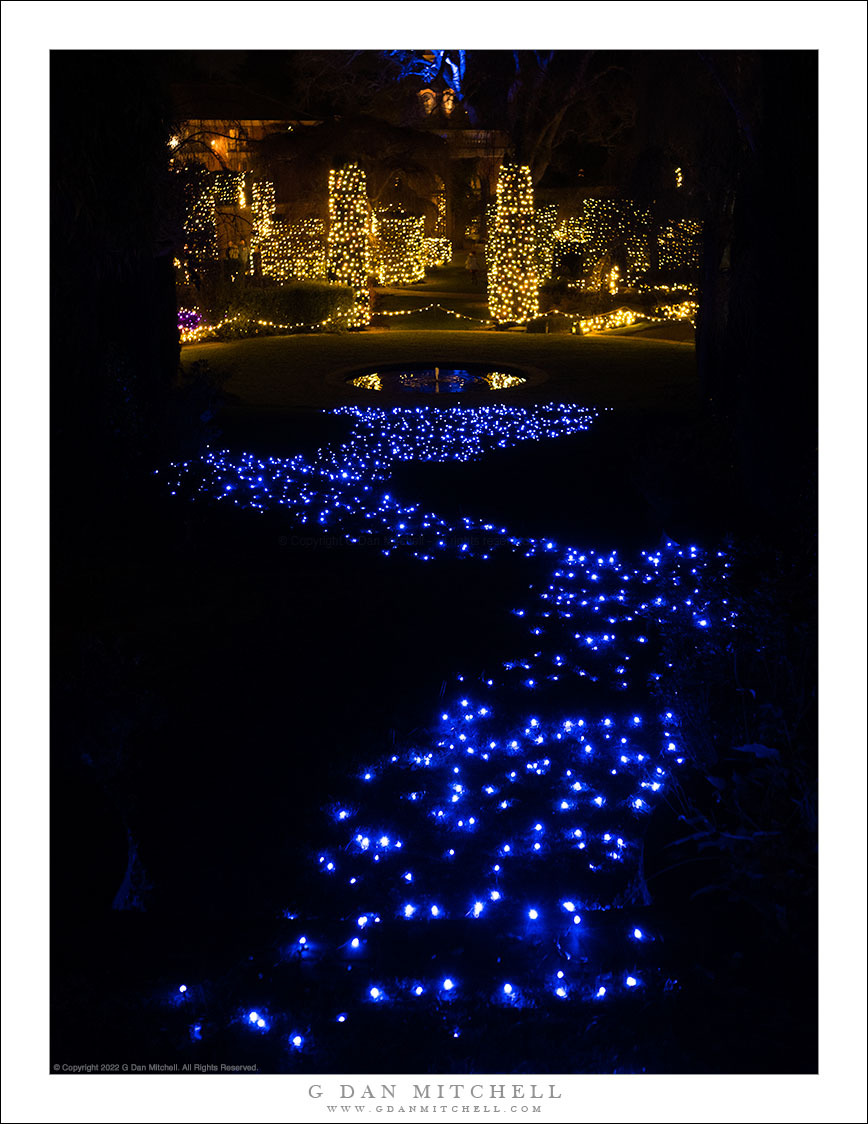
column 307, row 371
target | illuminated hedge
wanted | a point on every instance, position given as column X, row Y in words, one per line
column 437, row 251
column 513, row 285
column 400, row 249
column 229, row 189
column 546, row 216
column 611, row 224
column 348, row 244
column 200, row 221
column 295, row 253
column 263, row 208
column 571, row 229
column 289, row 253
column 679, row 244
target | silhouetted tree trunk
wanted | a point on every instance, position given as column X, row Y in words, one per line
column 114, row 355
column 113, row 237
column 757, row 338
column 742, row 126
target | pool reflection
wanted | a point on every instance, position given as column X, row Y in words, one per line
column 431, row 379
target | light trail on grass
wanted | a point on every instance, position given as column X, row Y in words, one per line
column 493, row 860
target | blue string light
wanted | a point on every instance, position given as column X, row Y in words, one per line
column 491, row 819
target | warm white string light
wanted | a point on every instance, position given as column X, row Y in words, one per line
column 400, row 249
column 437, row 252
column 295, row 252
column 348, row 238
column 511, row 781
column 513, row 284
column 606, row 321
column 544, row 235
column 679, row 245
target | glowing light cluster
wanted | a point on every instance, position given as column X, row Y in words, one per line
column 440, row 222
column 200, row 221
column 500, row 380
column 288, row 252
column 616, row 229
column 263, row 207
column 544, row 234
column 569, row 239
column 627, row 317
column 685, row 310
column 571, row 229
column 679, row 245
column 606, row 321
column 295, row 252
column 400, row 249
column 436, row 252
column 368, row 382
column 513, row 284
column 348, row 239
column 189, row 321
column 229, row 189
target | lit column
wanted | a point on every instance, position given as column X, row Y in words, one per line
column 513, row 284
column 348, row 246
column 200, row 223
column 262, row 235
column 544, row 227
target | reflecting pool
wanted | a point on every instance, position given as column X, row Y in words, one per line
column 431, row 378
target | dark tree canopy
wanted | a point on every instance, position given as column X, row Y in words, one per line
column 299, row 162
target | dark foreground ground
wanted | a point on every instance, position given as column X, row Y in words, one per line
column 215, row 679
